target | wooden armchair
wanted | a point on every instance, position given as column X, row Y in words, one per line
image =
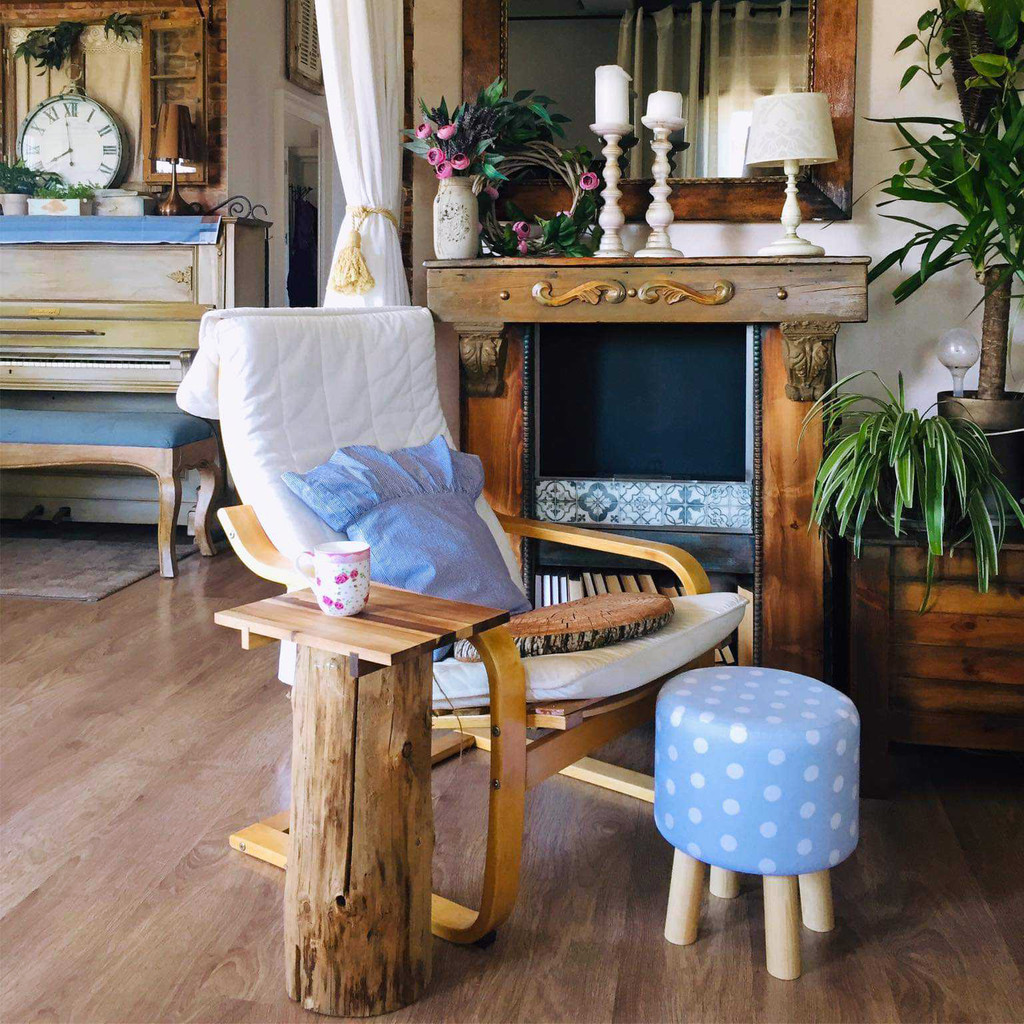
column 575, row 728
column 289, row 388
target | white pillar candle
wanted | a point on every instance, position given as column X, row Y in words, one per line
column 611, row 95
column 664, row 105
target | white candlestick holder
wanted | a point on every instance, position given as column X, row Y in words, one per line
column 611, row 218
column 659, row 213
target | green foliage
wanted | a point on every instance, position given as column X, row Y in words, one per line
column 975, row 170
column 881, row 457
column 60, row 191
column 125, row 27
column 935, row 29
column 16, row 177
column 49, row 47
column 979, row 177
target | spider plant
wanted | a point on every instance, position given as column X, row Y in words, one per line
column 881, row 457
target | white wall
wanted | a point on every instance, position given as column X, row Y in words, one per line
column 256, row 84
column 896, row 337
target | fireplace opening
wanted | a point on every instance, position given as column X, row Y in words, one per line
column 643, row 402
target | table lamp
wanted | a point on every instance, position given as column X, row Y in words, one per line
column 793, row 130
column 175, row 142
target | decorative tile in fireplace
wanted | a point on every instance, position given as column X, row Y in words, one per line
column 692, row 504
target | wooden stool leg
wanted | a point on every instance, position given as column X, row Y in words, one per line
column 170, row 503
column 357, row 884
column 684, row 896
column 211, row 480
column 724, row 884
column 782, row 927
column 816, row 901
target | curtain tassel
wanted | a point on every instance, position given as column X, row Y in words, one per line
column 350, row 275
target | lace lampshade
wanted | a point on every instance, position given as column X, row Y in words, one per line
column 794, row 126
column 791, row 129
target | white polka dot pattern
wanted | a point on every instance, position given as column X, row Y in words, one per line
column 764, row 783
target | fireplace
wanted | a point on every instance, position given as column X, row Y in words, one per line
column 644, row 425
column 500, row 309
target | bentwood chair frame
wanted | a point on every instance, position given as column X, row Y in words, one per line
column 575, row 728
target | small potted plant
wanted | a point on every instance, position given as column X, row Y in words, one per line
column 929, row 474
column 17, row 183
column 62, row 200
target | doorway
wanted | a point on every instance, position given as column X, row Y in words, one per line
column 301, row 250
column 302, row 238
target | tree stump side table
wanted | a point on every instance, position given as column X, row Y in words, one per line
column 358, row 886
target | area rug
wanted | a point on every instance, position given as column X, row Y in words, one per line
column 77, row 561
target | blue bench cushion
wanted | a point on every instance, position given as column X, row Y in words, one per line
column 126, row 429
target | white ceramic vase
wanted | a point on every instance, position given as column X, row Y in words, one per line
column 456, row 220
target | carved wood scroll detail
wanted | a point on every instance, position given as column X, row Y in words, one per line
column 482, row 355
column 590, row 292
column 183, row 276
column 673, row 292
column 808, row 355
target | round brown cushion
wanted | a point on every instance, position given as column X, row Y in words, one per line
column 582, row 625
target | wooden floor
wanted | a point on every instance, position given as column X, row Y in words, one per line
column 136, row 736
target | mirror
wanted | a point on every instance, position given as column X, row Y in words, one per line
column 719, row 54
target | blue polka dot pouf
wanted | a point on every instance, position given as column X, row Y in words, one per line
column 756, row 770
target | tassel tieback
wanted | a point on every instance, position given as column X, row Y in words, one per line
column 350, row 275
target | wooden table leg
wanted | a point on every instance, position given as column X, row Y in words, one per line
column 357, row 892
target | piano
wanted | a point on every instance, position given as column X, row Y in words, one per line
column 106, row 325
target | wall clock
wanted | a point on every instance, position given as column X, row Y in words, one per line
column 76, row 137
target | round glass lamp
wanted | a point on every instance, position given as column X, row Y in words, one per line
column 958, row 350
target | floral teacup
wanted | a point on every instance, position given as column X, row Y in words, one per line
column 340, row 575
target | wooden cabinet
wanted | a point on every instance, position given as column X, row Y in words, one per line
column 951, row 676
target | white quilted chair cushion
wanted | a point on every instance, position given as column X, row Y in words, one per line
column 700, row 623
column 290, row 386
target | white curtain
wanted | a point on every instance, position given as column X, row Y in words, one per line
column 721, row 56
column 758, row 52
column 361, row 53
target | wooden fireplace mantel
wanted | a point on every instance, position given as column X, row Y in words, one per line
column 799, row 304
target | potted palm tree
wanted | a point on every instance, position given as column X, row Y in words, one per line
column 973, row 167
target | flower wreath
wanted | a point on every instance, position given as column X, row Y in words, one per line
column 572, row 232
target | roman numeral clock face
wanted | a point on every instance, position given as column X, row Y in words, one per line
column 77, row 138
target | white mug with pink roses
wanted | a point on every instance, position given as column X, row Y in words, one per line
column 340, row 575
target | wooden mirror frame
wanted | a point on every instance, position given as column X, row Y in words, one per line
column 826, row 191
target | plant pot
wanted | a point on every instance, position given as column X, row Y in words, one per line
column 15, row 204
column 995, row 417
column 59, row 207
column 456, row 220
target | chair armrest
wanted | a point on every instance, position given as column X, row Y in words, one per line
column 686, row 568
column 256, row 549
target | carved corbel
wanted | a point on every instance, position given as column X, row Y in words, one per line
column 808, row 350
column 482, row 355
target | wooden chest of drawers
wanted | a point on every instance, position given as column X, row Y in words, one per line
column 951, row 676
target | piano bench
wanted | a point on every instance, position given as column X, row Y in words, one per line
column 166, row 444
